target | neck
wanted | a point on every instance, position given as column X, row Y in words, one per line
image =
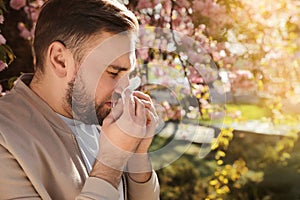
column 53, row 94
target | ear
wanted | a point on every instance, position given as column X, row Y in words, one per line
column 58, row 56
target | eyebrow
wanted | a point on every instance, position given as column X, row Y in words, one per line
column 119, row 68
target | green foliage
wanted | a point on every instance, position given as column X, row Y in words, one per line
column 2, row 7
column 178, row 181
column 244, row 174
column 6, row 54
column 11, row 82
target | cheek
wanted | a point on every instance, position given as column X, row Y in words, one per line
column 105, row 88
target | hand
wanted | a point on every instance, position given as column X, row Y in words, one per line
column 121, row 134
column 151, row 121
column 139, row 165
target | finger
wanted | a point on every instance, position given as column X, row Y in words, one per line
column 142, row 95
column 148, row 117
column 140, row 111
column 146, row 99
column 150, row 111
column 129, row 104
column 151, row 108
column 147, row 104
column 152, row 125
column 115, row 113
column 153, row 117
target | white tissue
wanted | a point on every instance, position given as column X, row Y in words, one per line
column 134, row 83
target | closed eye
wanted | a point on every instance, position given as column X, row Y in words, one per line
column 114, row 73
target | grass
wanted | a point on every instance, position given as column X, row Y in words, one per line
column 246, row 112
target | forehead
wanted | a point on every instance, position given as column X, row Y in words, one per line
column 112, row 44
column 107, row 49
column 125, row 62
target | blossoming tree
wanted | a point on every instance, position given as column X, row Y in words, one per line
column 210, row 47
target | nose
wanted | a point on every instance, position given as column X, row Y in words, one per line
column 122, row 84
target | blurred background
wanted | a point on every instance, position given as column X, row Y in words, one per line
column 225, row 78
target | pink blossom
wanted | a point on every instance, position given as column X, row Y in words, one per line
column 216, row 115
column 221, row 87
column 2, row 39
column 211, row 9
column 183, row 3
column 198, row 5
column 194, row 76
column 194, row 57
column 143, row 53
column 37, row 3
column 158, row 72
column 1, row 19
column 24, row 32
column 17, row 4
column 144, row 4
column 167, row 7
column 187, row 42
column 32, row 12
column 197, row 89
column 172, row 112
column 3, row 65
column 208, row 74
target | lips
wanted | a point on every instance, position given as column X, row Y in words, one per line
column 108, row 103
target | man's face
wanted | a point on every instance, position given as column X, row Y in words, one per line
column 104, row 72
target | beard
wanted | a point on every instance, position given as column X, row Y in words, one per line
column 82, row 104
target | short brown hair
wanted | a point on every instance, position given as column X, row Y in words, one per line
column 72, row 22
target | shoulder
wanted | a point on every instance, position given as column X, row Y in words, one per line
column 12, row 108
column 13, row 115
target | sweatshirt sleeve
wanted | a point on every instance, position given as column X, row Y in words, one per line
column 95, row 188
column 14, row 183
column 146, row 191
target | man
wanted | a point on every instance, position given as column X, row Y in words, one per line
column 50, row 144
